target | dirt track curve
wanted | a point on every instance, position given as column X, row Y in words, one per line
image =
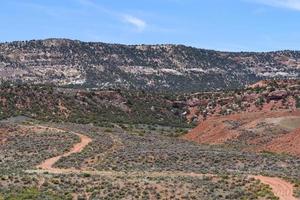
column 280, row 187
column 77, row 148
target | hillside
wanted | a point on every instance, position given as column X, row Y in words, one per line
column 147, row 67
column 101, row 107
column 263, row 96
column 51, row 103
column 79, row 143
column 264, row 117
column 66, row 134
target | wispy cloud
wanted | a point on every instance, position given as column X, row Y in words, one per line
column 288, row 4
column 138, row 23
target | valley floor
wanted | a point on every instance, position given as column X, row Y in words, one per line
column 130, row 162
column 280, row 187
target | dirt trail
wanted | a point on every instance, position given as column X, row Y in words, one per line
column 280, row 187
column 77, row 148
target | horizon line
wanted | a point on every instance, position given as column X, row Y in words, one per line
column 152, row 44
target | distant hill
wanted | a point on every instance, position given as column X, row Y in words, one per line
column 97, row 106
column 148, row 67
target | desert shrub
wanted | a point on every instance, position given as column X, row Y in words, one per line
column 260, row 101
column 86, row 175
column 296, row 188
column 298, row 101
column 32, row 194
column 108, row 130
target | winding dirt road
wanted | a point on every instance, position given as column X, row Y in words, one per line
column 77, row 148
column 280, row 187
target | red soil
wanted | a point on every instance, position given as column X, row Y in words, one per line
column 212, row 131
column 2, row 138
column 4, row 134
column 288, row 143
column 258, row 84
column 217, row 130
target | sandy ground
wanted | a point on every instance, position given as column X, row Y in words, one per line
column 280, row 188
column 290, row 122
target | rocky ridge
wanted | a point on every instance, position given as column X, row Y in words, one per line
column 147, row 67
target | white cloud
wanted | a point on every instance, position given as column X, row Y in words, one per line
column 136, row 22
column 289, row 4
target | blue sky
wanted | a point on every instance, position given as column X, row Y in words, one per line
column 232, row 25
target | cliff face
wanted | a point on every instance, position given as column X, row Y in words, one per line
column 154, row 67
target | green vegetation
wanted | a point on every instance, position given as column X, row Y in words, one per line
column 129, row 151
column 260, row 101
column 133, row 132
column 298, row 101
column 296, row 183
column 102, row 64
column 33, row 194
column 126, row 187
column 101, row 108
column 27, row 148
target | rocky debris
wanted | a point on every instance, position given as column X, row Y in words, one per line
column 250, row 97
column 277, row 95
column 274, row 95
column 194, row 102
column 179, row 104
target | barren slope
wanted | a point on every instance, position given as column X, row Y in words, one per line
column 275, row 131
